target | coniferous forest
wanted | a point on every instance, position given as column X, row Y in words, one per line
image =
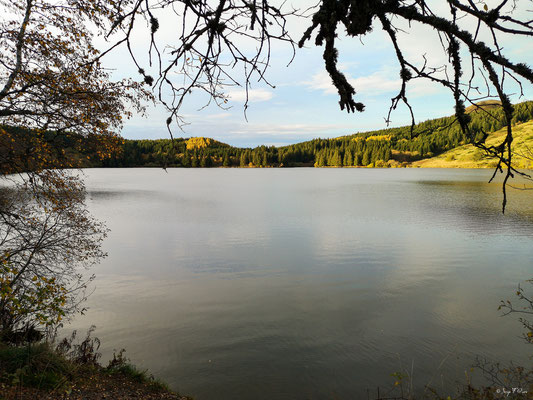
column 394, row 147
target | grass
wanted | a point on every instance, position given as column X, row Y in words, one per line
column 38, row 370
column 468, row 156
column 122, row 365
column 35, row 365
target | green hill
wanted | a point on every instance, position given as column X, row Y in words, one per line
column 468, row 156
column 486, row 105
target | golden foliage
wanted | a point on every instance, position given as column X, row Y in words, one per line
column 379, row 138
column 198, row 143
column 372, row 137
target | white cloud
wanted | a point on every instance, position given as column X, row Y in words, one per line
column 382, row 82
column 378, row 83
column 423, row 87
column 314, row 130
column 254, row 95
column 375, row 84
column 321, row 81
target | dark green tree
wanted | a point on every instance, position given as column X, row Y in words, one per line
column 195, row 162
column 366, row 158
column 348, row 159
column 244, row 159
column 357, row 159
column 226, row 162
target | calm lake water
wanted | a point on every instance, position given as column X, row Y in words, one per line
column 307, row 283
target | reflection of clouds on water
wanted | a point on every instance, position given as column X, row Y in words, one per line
column 304, row 277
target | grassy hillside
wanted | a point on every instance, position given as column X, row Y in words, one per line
column 468, row 156
column 486, row 105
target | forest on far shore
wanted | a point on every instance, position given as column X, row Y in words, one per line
column 394, row 147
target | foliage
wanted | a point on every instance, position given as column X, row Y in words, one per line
column 54, row 95
column 202, row 143
column 120, row 364
column 73, row 366
column 84, row 353
column 34, row 365
column 463, row 156
column 47, row 239
column 51, row 81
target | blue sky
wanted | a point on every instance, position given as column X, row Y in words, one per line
column 304, row 105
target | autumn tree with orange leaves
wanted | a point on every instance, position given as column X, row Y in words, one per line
column 52, row 87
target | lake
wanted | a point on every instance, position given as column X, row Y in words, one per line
column 307, row 283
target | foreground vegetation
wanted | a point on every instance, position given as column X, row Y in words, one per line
column 42, row 371
column 486, row 379
column 67, row 370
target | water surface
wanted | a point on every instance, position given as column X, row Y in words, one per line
column 307, row 283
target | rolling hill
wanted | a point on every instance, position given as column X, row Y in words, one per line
column 468, row 156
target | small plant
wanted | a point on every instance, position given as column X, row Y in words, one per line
column 84, row 353
column 122, row 365
column 524, row 309
column 118, row 360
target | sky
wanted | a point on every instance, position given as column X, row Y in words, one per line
column 303, row 104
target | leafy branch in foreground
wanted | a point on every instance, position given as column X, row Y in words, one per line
column 47, row 239
column 51, row 84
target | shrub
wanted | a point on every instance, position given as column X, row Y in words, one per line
column 35, row 365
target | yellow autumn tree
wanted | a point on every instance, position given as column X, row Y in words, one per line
column 198, row 143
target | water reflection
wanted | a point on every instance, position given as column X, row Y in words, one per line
column 305, row 283
column 476, row 207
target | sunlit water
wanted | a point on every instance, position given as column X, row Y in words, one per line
column 307, row 283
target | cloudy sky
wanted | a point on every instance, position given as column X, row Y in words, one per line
column 304, row 104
